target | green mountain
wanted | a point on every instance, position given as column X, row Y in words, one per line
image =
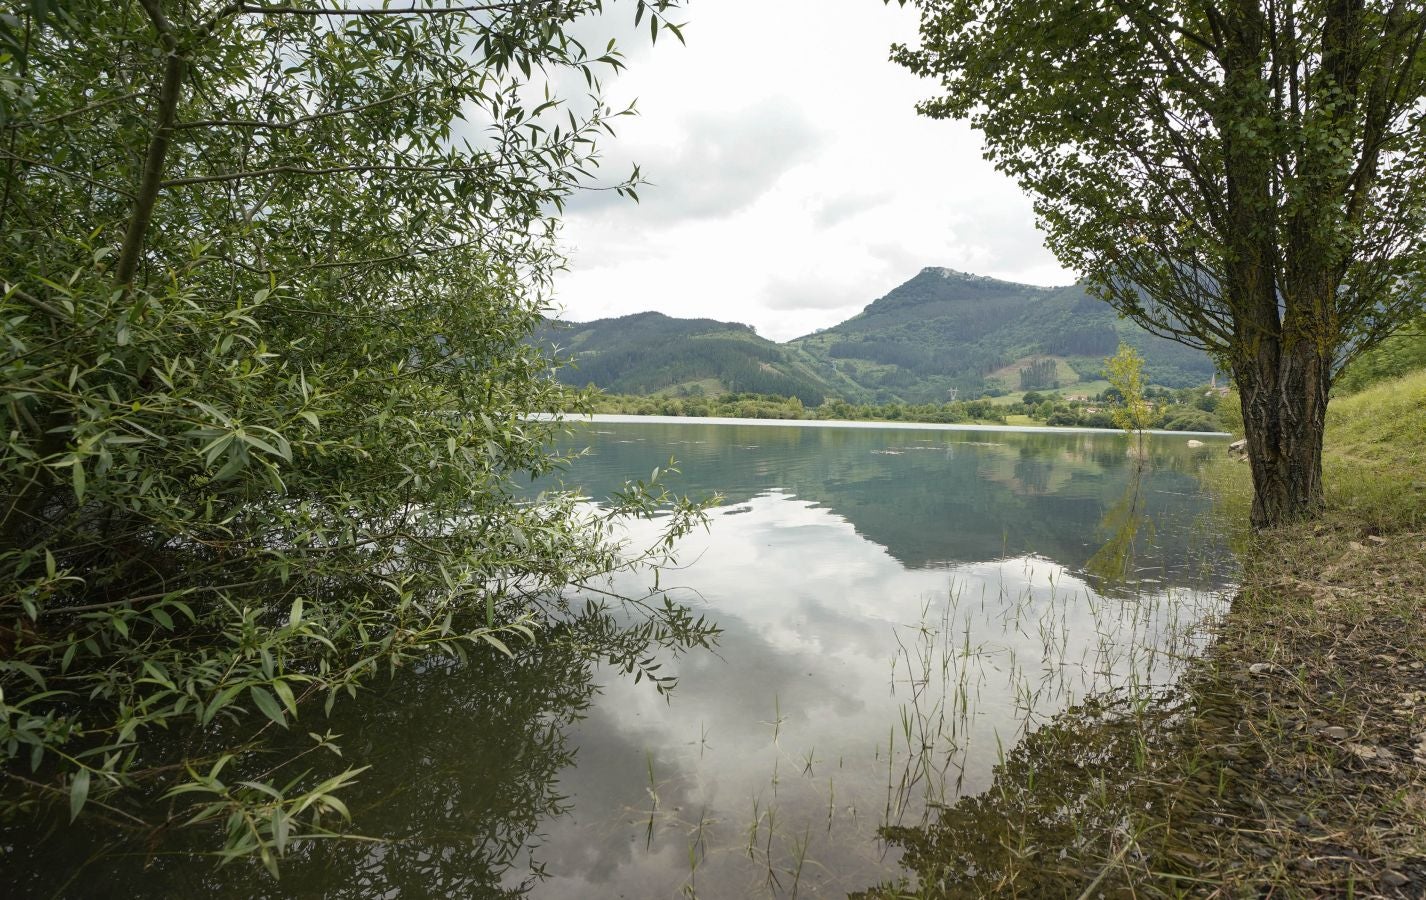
column 941, row 331
column 651, row 353
column 945, row 329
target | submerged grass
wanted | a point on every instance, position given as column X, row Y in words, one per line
column 1291, row 760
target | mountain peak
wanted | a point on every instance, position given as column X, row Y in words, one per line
column 939, row 285
column 970, row 278
column 944, row 272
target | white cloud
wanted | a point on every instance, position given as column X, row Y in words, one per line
column 794, row 182
column 705, row 163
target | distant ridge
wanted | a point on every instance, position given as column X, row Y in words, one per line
column 942, row 330
column 650, row 353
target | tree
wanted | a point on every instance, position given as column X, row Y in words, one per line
column 1243, row 177
column 1133, row 412
column 1042, row 373
column 267, row 270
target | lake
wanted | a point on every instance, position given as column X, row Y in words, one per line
column 899, row 607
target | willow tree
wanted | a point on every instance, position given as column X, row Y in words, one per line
column 1247, row 178
column 267, row 269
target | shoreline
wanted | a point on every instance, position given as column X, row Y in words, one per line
column 628, row 418
column 1291, row 759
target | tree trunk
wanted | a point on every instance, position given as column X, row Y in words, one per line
column 1284, row 400
column 1283, row 325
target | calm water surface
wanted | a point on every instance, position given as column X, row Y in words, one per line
column 898, row 607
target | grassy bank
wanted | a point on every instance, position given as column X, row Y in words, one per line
column 1290, row 762
column 1317, row 681
column 1312, row 701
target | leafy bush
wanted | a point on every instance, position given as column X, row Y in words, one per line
column 1191, row 419
column 267, row 278
column 1230, row 413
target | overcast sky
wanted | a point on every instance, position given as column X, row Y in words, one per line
column 793, row 181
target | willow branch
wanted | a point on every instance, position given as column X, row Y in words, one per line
column 325, row 170
column 174, row 70
column 379, row 11
column 300, row 120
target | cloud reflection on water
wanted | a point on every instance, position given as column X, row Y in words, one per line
column 800, row 715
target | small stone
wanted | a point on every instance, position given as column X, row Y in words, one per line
column 1369, row 752
column 1335, row 732
column 1393, row 878
column 1376, row 539
column 1355, row 546
column 1261, row 668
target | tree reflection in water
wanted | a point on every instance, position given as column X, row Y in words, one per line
column 1059, row 819
column 1122, row 522
column 1069, row 812
column 464, row 765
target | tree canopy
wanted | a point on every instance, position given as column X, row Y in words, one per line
column 1244, row 177
column 267, row 273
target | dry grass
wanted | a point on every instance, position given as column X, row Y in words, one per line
column 1315, row 695
column 1316, row 687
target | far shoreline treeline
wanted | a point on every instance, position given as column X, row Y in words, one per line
column 1200, row 409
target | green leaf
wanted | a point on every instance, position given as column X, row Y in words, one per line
column 265, row 702
column 78, row 793
column 223, row 698
column 498, row 644
column 284, row 691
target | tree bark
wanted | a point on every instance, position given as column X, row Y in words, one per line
column 1284, row 401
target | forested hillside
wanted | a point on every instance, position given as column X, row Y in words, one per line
column 945, row 329
column 650, row 353
column 941, row 330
